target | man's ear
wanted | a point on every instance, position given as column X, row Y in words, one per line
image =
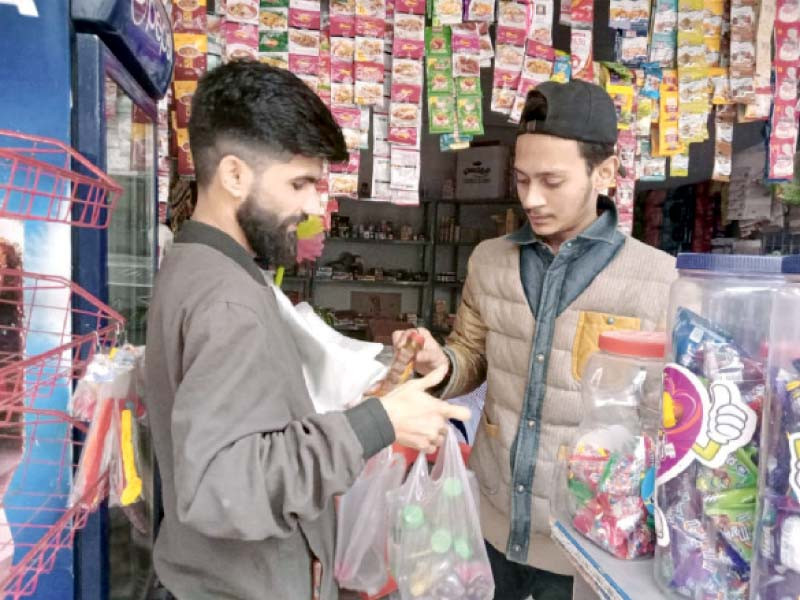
column 605, row 173
column 235, row 176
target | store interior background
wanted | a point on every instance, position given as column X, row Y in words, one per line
column 132, row 571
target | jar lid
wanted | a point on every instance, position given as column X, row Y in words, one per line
column 645, row 344
column 736, row 263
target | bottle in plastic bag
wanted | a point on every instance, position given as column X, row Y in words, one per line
column 714, row 386
column 436, row 548
column 605, row 477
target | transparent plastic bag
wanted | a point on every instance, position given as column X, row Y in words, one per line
column 97, row 454
column 436, row 546
column 360, row 562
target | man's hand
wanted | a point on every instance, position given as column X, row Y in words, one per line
column 420, row 421
column 429, row 358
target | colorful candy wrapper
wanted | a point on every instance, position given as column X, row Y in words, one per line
column 733, row 515
column 689, row 335
column 738, row 472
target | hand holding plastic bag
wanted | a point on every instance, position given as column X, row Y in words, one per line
column 361, row 546
column 436, row 546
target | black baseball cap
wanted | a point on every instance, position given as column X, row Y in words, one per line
column 576, row 110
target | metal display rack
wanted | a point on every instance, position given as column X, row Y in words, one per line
column 45, row 180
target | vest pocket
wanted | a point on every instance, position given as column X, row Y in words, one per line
column 587, row 335
column 484, row 458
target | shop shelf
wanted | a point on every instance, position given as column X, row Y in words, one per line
column 449, row 284
column 42, row 179
column 609, row 577
column 38, row 350
column 358, row 282
column 383, row 242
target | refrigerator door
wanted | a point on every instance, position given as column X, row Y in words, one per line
column 130, row 152
column 131, row 264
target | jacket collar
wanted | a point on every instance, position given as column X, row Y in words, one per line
column 194, row 232
column 604, row 228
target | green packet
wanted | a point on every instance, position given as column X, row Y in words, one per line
column 273, row 41
column 274, row 4
column 440, row 75
column 733, row 515
column 468, row 86
column 438, row 42
column 441, row 113
column 470, row 115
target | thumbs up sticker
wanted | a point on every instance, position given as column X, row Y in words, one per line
column 794, row 467
column 729, row 424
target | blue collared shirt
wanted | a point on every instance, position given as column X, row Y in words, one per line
column 551, row 282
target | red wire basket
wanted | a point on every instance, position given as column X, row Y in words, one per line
column 40, row 358
column 38, row 351
column 36, row 519
column 42, row 179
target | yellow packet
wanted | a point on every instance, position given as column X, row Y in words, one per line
column 622, row 95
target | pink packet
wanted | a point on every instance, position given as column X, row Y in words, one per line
column 304, row 65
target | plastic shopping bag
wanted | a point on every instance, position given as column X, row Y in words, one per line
column 436, row 547
column 361, row 546
column 337, row 369
column 97, row 454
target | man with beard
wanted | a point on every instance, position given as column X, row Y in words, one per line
column 533, row 307
column 249, row 470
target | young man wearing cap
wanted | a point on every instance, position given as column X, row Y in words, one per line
column 533, row 306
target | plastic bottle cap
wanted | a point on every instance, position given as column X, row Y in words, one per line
column 441, row 540
column 413, row 517
column 643, row 344
column 452, row 487
column 462, row 548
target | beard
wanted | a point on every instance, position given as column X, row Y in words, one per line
column 268, row 236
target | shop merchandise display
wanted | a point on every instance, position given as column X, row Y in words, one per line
column 677, row 62
column 714, row 388
column 776, row 570
column 606, row 479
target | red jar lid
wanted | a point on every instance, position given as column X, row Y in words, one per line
column 644, row 344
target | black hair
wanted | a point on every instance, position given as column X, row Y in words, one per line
column 246, row 107
column 593, row 153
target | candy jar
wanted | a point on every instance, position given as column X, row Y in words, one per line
column 713, row 390
column 776, row 563
column 605, row 478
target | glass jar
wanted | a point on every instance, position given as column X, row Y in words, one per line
column 606, row 477
column 713, row 390
column 776, row 562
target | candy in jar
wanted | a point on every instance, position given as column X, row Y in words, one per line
column 776, row 562
column 714, row 386
column 604, row 482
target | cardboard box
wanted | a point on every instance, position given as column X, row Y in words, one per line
column 381, row 330
column 482, row 173
column 381, row 305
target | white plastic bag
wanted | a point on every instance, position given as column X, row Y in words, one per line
column 361, row 562
column 337, row 369
column 436, row 548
